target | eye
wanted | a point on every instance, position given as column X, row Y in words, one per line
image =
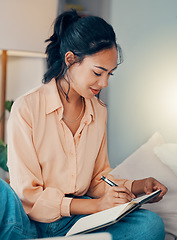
column 110, row 74
column 97, row 74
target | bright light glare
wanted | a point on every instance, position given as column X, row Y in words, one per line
column 170, row 101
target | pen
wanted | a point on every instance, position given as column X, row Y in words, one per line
column 111, row 183
column 108, row 181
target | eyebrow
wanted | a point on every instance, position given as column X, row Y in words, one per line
column 104, row 69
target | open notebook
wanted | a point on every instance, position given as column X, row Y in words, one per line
column 107, row 217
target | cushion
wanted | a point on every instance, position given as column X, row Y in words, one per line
column 167, row 153
column 144, row 163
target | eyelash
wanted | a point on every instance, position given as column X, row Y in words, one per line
column 99, row 74
column 111, row 74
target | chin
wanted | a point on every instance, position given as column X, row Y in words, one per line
column 90, row 96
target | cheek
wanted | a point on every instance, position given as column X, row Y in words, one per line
column 81, row 76
column 77, row 73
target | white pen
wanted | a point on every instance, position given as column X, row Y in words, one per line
column 108, row 181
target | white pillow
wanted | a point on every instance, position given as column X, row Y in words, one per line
column 167, row 153
column 144, row 163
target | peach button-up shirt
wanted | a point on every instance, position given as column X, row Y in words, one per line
column 46, row 161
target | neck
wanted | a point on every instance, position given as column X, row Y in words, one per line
column 74, row 108
column 74, row 98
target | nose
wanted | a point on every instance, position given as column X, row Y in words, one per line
column 103, row 82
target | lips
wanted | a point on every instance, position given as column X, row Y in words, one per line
column 95, row 91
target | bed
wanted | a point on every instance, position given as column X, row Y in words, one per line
column 157, row 159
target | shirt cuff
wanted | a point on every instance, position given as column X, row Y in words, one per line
column 128, row 184
column 65, row 207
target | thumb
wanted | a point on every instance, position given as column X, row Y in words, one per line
column 148, row 187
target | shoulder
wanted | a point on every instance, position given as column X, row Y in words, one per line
column 27, row 102
column 99, row 108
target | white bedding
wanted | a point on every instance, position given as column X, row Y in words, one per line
column 144, row 163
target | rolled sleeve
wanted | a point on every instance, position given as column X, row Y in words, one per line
column 121, row 182
column 128, row 184
column 65, row 206
column 102, row 167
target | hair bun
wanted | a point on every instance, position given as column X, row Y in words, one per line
column 66, row 19
column 62, row 23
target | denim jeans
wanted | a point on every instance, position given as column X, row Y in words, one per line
column 15, row 224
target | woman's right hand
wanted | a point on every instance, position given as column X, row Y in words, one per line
column 114, row 196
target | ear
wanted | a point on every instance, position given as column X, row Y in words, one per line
column 70, row 58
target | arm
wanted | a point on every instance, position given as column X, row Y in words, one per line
column 109, row 199
column 105, row 195
column 40, row 203
column 102, row 167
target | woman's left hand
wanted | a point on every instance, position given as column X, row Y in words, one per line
column 149, row 185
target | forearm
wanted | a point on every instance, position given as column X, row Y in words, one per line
column 84, row 206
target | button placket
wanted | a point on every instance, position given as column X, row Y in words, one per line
column 71, row 156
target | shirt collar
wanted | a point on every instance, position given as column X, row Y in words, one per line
column 53, row 102
column 52, row 97
column 89, row 112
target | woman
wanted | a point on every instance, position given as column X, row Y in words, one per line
column 57, row 145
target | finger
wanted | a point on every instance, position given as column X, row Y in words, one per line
column 121, row 201
column 156, row 199
column 116, row 194
column 164, row 191
column 161, row 187
column 124, row 190
column 125, row 196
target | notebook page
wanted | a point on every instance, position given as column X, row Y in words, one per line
column 97, row 219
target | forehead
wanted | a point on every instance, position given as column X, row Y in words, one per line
column 106, row 58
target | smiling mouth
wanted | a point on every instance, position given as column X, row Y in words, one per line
column 95, row 91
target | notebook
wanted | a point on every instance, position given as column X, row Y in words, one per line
column 109, row 216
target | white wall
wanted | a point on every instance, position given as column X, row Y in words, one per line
column 24, row 24
column 142, row 97
column 23, row 74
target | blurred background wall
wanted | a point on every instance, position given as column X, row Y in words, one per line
column 142, row 95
